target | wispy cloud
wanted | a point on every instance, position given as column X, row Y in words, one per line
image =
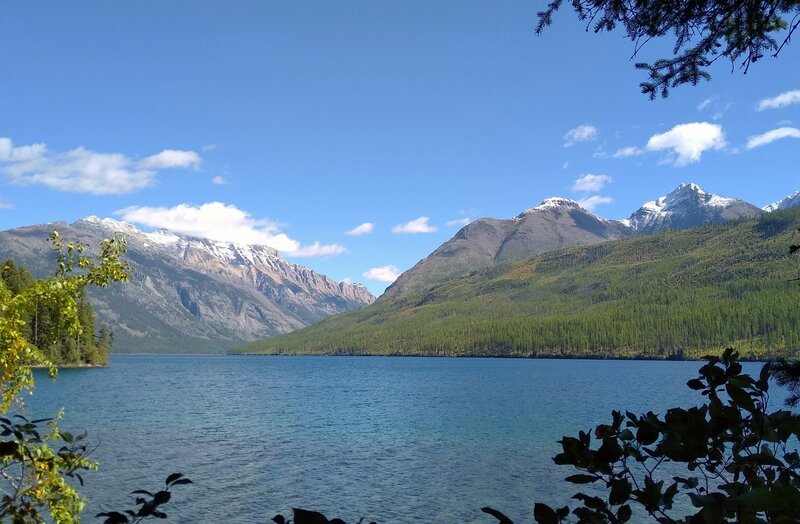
column 219, row 181
column 592, row 202
column 418, row 225
column 625, row 152
column 582, row 133
column 707, row 102
column 784, row 99
column 361, row 229
column 226, row 222
column 590, row 183
column 771, row 136
column 383, row 274
column 82, row 170
column 715, row 105
column 688, row 141
column 458, row 222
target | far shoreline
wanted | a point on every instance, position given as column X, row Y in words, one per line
column 398, row 355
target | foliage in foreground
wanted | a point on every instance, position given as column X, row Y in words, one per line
column 42, row 330
column 731, row 454
column 37, row 463
column 704, row 31
column 304, row 516
column 147, row 507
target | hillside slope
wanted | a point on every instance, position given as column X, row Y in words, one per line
column 674, row 294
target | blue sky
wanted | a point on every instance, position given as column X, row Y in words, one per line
column 293, row 123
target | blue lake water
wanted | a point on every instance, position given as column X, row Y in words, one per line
column 390, row 439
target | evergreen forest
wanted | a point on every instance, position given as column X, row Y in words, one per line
column 680, row 294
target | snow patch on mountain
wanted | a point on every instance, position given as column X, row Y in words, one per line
column 786, row 202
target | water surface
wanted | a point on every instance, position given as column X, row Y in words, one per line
column 391, row 439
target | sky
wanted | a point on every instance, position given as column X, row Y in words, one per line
column 357, row 136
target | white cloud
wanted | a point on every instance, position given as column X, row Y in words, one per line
column 82, row 170
column 6, row 205
column 316, row 250
column 458, row 222
column 688, row 141
column 383, row 274
column 170, row 158
column 582, row 133
column 347, row 280
column 219, row 221
column 361, row 229
column 771, row 136
column 590, row 183
column 782, row 100
column 219, row 181
column 209, row 147
column 592, row 202
column 418, row 225
column 625, row 152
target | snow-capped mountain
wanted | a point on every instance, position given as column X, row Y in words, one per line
column 786, row 202
column 190, row 294
column 561, row 222
column 688, row 206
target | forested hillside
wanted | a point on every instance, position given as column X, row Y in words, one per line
column 45, row 326
column 672, row 295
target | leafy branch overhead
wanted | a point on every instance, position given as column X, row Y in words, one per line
column 704, row 31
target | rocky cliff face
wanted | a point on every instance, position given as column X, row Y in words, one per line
column 190, row 294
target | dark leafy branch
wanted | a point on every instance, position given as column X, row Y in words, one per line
column 149, row 504
column 732, row 452
column 703, row 30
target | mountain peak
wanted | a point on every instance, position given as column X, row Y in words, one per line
column 552, row 203
column 688, row 205
column 109, row 223
column 690, row 187
column 785, row 202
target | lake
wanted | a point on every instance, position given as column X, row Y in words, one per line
column 388, row 438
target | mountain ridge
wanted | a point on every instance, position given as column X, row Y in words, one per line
column 191, row 294
column 560, row 222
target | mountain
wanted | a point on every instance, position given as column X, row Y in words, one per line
column 792, row 200
column 190, row 294
column 558, row 223
column 679, row 293
column 554, row 224
column 688, row 206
